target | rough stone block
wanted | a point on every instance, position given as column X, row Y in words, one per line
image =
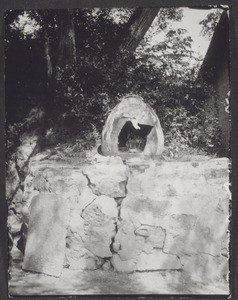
column 157, row 260
column 100, row 218
column 109, row 180
column 12, row 179
column 107, row 266
column 123, row 266
column 205, row 267
column 14, row 223
column 145, row 210
column 77, row 257
column 82, row 260
column 189, row 202
column 17, row 201
column 45, row 246
column 131, row 244
column 28, row 145
column 154, row 235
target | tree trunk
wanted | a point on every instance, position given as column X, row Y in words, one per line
column 67, row 49
column 48, row 18
column 49, row 103
column 49, row 68
column 215, row 71
column 136, row 28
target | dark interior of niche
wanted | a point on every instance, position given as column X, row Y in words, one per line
column 131, row 139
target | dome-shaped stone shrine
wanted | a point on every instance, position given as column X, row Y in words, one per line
column 131, row 129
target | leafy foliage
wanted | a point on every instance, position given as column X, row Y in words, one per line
column 159, row 71
column 209, row 24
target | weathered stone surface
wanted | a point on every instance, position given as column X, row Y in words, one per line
column 108, row 179
column 216, row 166
column 132, row 108
column 166, row 215
column 14, row 223
column 77, row 257
column 187, row 234
column 168, row 191
column 203, row 267
column 123, row 266
column 83, row 260
column 107, row 266
column 45, row 247
column 90, row 233
column 91, row 218
column 157, row 260
column 18, row 166
column 29, row 144
column 28, row 194
column 12, row 179
column 179, row 178
column 99, row 225
column 154, row 235
column 50, row 179
column 108, row 160
column 143, row 209
column 67, row 182
column 130, row 242
column 187, row 203
column 16, row 203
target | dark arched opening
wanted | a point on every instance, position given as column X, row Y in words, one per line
column 131, row 139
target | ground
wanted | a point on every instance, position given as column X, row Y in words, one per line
column 101, row 282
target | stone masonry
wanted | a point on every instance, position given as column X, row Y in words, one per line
column 132, row 216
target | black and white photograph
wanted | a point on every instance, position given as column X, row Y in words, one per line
column 118, row 151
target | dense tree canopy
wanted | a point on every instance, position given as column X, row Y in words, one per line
column 77, row 64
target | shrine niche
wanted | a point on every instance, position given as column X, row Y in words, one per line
column 132, row 128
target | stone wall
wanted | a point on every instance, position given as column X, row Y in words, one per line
column 176, row 215
column 17, row 170
column 127, row 216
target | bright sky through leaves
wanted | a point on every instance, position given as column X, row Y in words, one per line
column 190, row 22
